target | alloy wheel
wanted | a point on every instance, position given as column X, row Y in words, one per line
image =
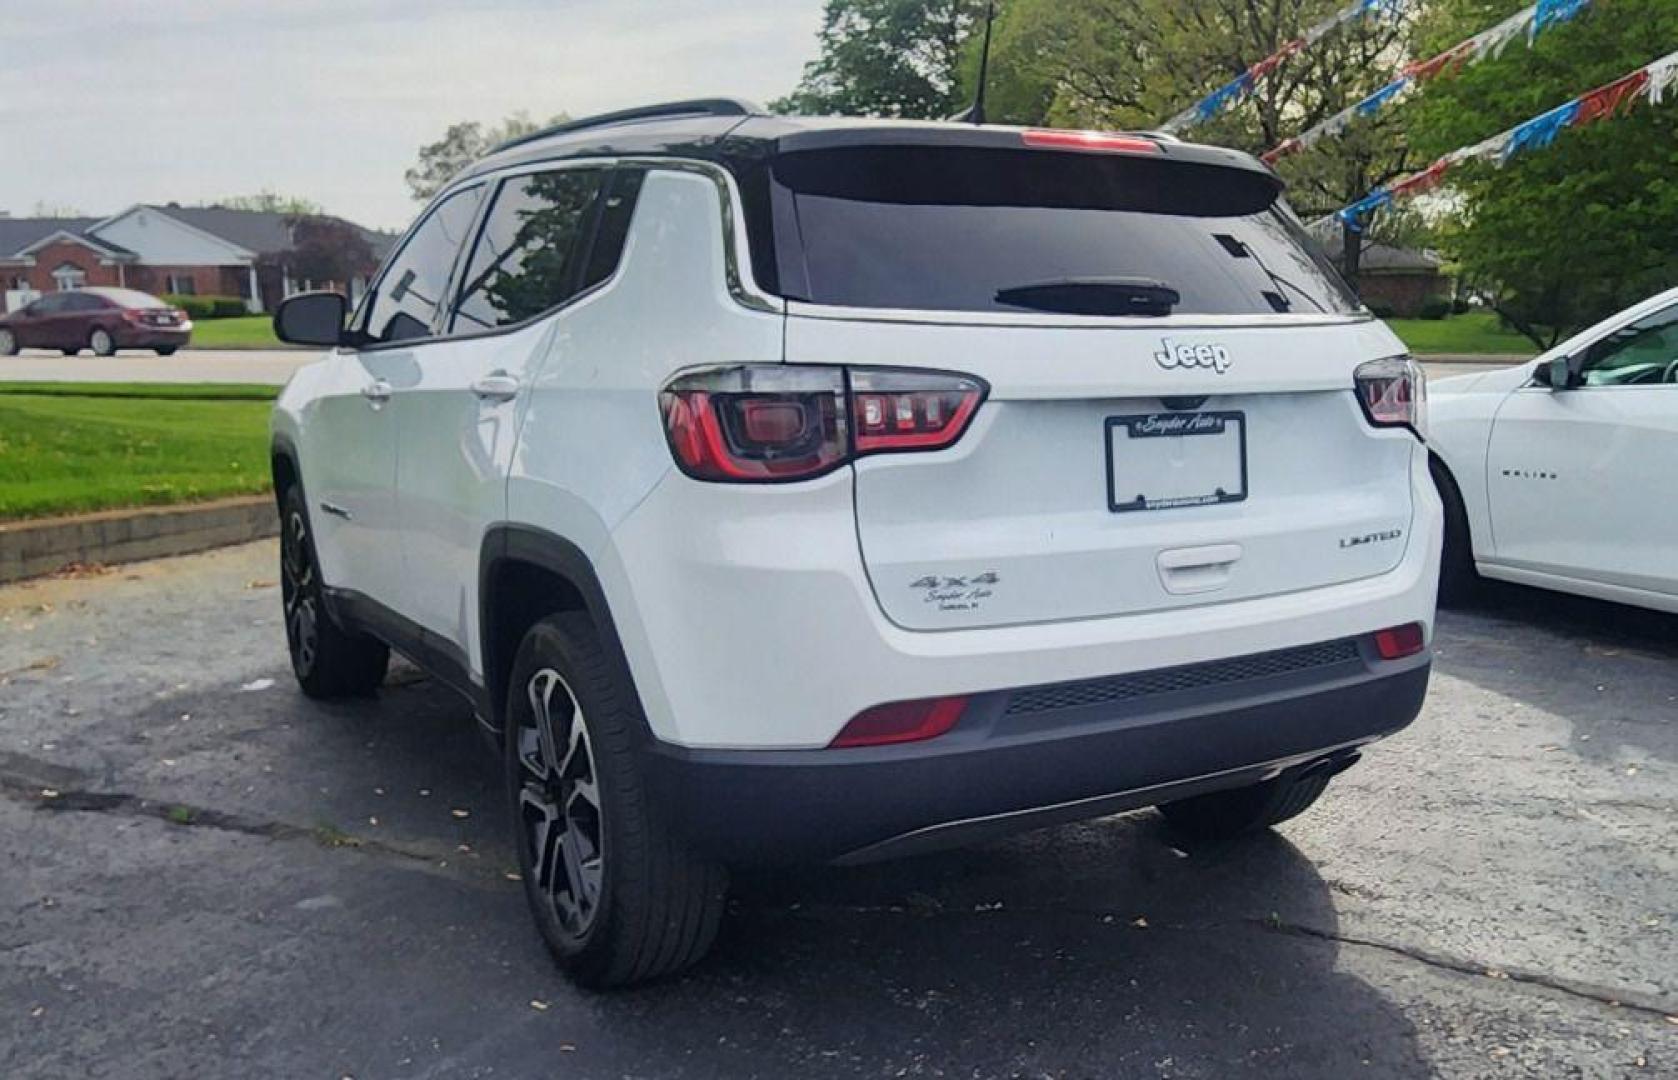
column 101, row 343
column 8, row 343
column 297, row 589
column 561, row 824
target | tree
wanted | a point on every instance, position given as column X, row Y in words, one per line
column 1129, row 64
column 323, row 249
column 271, row 202
column 462, row 144
column 1563, row 236
column 887, row 58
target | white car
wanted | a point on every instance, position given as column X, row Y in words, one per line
column 779, row 489
column 1563, row 472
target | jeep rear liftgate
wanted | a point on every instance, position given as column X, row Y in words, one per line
column 1171, row 417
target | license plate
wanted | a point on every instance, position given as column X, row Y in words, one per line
column 1160, row 461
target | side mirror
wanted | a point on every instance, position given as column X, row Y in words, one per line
column 1559, row 373
column 312, row 318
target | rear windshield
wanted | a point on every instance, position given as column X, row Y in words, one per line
column 963, row 229
column 129, row 298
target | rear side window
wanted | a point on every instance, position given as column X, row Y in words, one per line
column 414, row 284
column 529, row 257
column 966, row 229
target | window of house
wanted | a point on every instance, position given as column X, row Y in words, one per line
column 411, row 289
column 69, row 276
column 180, row 285
column 529, row 255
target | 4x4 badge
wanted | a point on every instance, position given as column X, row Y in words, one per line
column 1184, row 355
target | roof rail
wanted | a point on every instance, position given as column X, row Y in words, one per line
column 694, row 107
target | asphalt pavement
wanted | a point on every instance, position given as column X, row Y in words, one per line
column 274, row 366
column 207, row 875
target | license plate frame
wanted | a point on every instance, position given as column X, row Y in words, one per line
column 1139, row 427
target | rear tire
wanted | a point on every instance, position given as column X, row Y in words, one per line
column 1226, row 815
column 1459, row 581
column 101, row 342
column 8, row 343
column 167, row 350
column 328, row 660
column 617, row 897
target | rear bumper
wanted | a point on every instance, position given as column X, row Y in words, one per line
column 1039, row 756
column 151, row 337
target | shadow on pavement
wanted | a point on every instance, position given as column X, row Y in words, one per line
column 1608, row 669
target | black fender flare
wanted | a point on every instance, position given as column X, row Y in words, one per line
column 532, row 546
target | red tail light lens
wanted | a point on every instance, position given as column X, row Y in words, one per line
column 133, row 315
column 777, row 422
column 1060, row 139
column 1397, row 642
column 901, row 722
column 911, row 410
column 1393, row 393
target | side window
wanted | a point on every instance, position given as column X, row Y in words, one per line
column 83, row 302
column 48, row 305
column 613, row 231
column 1639, row 354
column 529, row 255
column 413, row 284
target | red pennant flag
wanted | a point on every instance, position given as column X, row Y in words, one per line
column 1605, row 101
column 1426, row 180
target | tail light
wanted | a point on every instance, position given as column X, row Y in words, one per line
column 1393, row 393
column 133, row 315
column 1397, row 642
column 764, row 423
column 1062, row 139
column 901, row 722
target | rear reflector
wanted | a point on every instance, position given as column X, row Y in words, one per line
column 1397, row 642
column 901, row 722
column 1059, row 139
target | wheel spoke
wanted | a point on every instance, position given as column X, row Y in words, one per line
column 560, row 801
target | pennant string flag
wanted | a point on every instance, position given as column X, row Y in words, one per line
column 1239, row 87
column 1653, row 81
column 1530, row 21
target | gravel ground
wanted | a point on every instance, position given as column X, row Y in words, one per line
column 207, row 875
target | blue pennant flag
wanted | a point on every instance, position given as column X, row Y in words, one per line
column 1551, row 12
column 1373, row 103
column 1540, row 131
column 1354, row 214
column 1215, row 102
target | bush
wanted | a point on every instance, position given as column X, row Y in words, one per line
column 1381, row 309
column 207, row 307
column 1461, row 306
column 1435, row 307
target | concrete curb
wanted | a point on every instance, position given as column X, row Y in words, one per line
column 33, row 548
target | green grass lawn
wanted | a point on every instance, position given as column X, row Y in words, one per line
column 1475, row 332
column 66, row 448
column 239, row 332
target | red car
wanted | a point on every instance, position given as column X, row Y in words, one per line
column 100, row 319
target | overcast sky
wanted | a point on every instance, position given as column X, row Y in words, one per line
column 105, row 103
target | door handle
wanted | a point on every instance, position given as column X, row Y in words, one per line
column 496, row 386
column 376, row 392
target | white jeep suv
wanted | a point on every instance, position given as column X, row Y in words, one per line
column 789, row 489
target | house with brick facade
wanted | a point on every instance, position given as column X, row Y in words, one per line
column 260, row 257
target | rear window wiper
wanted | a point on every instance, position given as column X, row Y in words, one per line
column 1094, row 296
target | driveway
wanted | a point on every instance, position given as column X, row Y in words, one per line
column 272, row 366
column 208, row 875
